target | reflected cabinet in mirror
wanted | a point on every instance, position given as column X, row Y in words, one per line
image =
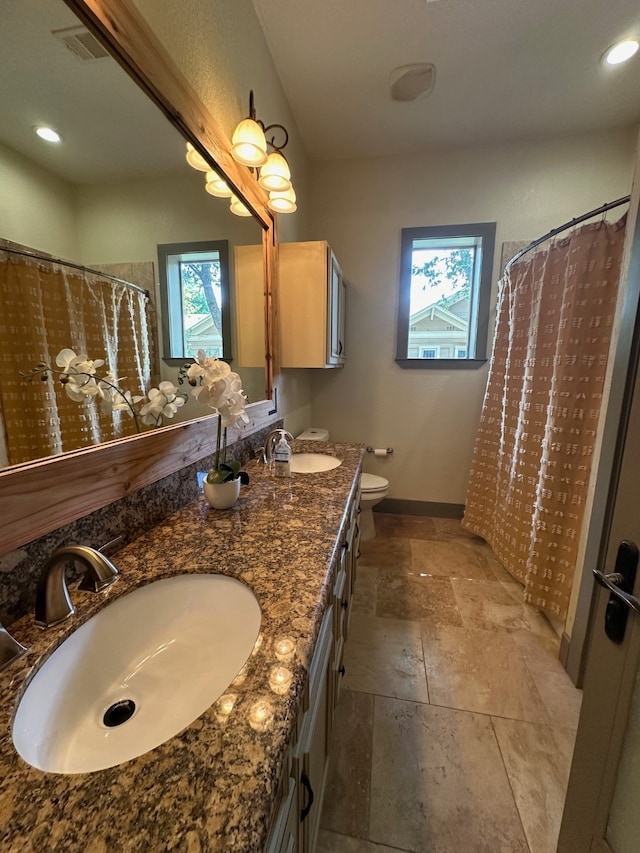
column 111, row 195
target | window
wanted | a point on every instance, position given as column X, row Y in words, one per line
column 445, row 286
column 194, row 293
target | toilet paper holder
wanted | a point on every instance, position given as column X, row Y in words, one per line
column 380, row 451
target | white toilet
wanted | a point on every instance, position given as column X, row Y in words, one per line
column 374, row 488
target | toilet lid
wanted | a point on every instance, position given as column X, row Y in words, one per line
column 373, row 483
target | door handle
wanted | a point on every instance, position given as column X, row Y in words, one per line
column 620, row 584
column 304, row 779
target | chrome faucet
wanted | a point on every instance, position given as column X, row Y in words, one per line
column 10, row 649
column 270, row 442
column 53, row 604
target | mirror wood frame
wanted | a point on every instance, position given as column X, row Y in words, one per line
column 38, row 497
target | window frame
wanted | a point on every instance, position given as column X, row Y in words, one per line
column 479, row 316
column 166, row 250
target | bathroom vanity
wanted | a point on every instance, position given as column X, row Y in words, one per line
column 248, row 774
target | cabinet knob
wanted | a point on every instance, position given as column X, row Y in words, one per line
column 342, row 670
column 344, row 604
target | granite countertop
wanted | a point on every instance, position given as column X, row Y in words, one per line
column 213, row 786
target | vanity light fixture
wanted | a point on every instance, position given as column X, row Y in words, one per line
column 275, row 175
column 196, row 160
column 621, row 51
column 238, row 207
column 284, row 202
column 48, row 134
column 249, row 147
column 216, row 186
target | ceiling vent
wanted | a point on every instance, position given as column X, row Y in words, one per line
column 411, row 82
column 80, row 42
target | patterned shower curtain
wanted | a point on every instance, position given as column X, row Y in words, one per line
column 45, row 307
column 533, row 452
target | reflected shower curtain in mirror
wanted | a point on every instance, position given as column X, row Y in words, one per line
column 44, row 307
column 532, row 457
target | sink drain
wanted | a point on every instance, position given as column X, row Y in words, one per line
column 119, row 713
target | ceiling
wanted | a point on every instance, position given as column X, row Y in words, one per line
column 505, row 70
column 106, row 121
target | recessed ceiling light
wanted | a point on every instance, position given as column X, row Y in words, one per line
column 48, row 133
column 621, row 51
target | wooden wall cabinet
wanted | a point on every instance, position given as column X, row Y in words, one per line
column 248, row 288
column 297, row 821
column 311, row 305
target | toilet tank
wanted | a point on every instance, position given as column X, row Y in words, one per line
column 314, row 434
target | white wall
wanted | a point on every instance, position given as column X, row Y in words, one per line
column 36, row 208
column 430, row 417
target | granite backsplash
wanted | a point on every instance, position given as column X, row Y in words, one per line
column 123, row 521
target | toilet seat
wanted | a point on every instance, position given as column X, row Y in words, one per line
column 371, row 484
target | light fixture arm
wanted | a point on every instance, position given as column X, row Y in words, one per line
column 269, row 127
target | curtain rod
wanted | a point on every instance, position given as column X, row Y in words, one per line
column 598, row 210
column 51, row 260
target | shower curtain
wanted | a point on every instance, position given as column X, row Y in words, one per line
column 44, row 307
column 532, row 457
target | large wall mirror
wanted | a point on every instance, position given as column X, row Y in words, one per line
column 118, row 185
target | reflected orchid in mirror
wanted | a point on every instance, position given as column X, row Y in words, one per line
column 164, row 402
column 77, row 374
column 218, row 387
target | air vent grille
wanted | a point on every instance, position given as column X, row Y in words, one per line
column 81, row 43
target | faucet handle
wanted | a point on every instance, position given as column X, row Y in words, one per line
column 10, row 648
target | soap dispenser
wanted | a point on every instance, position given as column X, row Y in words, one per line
column 282, row 458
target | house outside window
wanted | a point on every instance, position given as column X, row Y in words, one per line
column 194, row 294
column 445, row 287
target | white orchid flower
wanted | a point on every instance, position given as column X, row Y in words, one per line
column 207, row 369
column 163, row 402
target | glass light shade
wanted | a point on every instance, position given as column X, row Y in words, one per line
column 621, row 51
column 238, row 207
column 216, row 186
column 248, row 144
column 196, row 160
column 275, row 175
column 284, row 202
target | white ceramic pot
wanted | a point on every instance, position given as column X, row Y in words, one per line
column 222, row 495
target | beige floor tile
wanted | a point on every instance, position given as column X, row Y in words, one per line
column 404, row 526
column 561, row 698
column 404, row 596
column 483, row 671
column 448, row 559
column 566, row 741
column 538, row 779
column 451, row 528
column 331, row 842
column 346, row 799
column 366, row 590
column 438, row 783
column 492, row 607
column 384, row 552
column 384, row 656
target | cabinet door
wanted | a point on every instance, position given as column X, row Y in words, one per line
column 249, row 293
column 315, row 763
column 336, row 313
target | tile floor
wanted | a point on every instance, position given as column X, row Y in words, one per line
column 456, row 721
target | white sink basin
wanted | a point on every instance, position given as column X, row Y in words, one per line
column 313, row 463
column 136, row 673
